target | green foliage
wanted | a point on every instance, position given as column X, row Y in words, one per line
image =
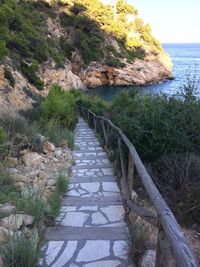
column 115, row 62
column 66, row 47
column 59, row 106
column 137, row 241
column 3, row 50
column 8, row 192
column 96, row 104
column 178, row 178
column 158, row 124
column 20, row 251
column 9, row 77
column 61, row 183
column 57, row 134
column 55, row 204
column 125, row 8
column 30, row 71
column 33, row 204
column 3, row 136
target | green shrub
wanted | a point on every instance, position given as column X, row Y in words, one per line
column 3, row 136
column 57, row 134
column 8, row 192
column 20, row 251
column 30, row 71
column 96, row 104
column 54, row 205
column 178, row 178
column 137, row 241
column 3, row 50
column 33, row 204
column 66, row 47
column 59, row 106
column 9, row 77
column 115, row 62
column 61, row 183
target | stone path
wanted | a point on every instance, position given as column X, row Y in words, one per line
column 90, row 229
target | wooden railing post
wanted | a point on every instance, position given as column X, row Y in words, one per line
column 124, row 172
column 104, row 133
column 130, row 175
column 95, row 123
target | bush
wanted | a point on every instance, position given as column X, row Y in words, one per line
column 57, row 134
column 136, row 244
column 30, row 71
column 115, row 62
column 20, row 251
column 178, row 177
column 61, row 184
column 9, row 77
column 3, row 50
column 54, row 206
column 3, row 136
column 33, row 204
column 96, row 104
column 66, row 47
column 59, row 106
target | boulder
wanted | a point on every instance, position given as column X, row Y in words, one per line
column 58, row 153
column 15, row 221
column 149, row 259
column 32, row 158
column 7, row 209
column 48, row 147
column 43, row 175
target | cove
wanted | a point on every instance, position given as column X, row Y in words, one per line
column 185, row 58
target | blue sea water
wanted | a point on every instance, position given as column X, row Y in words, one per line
column 185, row 58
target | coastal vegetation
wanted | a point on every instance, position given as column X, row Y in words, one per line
column 165, row 132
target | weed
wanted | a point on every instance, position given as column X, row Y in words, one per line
column 61, row 184
column 33, row 204
column 136, row 244
column 20, row 251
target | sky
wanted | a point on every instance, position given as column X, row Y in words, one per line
column 172, row 21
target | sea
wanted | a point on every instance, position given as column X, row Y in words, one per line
column 186, row 60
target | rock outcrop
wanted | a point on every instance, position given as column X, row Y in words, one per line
column 139, row 73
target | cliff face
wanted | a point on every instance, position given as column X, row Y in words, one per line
column 76, row 44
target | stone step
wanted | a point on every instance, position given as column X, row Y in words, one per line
column 89, row 151
column 93, row 158
column 86, row 144
column 88, row 201
column 67, row 233
column 88, row 148
column 90, row 179
column 86, row 155
column 86, row 138
column 90, row 167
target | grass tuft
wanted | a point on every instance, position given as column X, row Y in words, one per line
column 20, row 251
column 136, row 243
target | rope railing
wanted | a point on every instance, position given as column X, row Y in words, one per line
column 171, row 243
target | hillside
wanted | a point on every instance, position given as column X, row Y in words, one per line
column 76, row 44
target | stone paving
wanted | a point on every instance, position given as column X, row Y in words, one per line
column 90, row 230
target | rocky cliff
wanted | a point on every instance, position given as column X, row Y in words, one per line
column 77, row 44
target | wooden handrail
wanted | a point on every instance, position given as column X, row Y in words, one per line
column 182, row 252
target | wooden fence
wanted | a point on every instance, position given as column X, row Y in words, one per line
column 170, row 236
